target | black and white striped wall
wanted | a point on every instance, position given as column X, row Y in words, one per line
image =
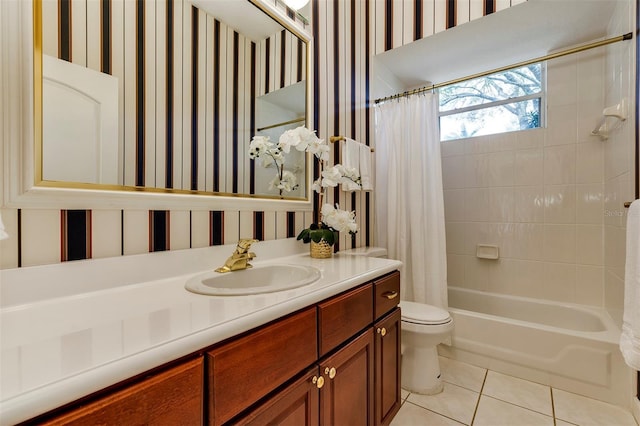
column 186, row 83
column 171, row 102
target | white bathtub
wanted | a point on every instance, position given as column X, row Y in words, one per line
column 569, row 347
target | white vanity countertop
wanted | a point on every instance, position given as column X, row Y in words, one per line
column 59, row 349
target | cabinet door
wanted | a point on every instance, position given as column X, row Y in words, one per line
column 387, row 360
column 347, row 395
column 247, row 369
column 171, row 397
column 295, row 405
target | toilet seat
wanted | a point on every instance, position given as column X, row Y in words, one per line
column 420, row 313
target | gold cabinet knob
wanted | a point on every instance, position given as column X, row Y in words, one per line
column 318, row 381
column 331, row 372
column 382, row 331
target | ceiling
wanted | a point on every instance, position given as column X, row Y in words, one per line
column 291, row 98
column 522, row 32
column 242, row 16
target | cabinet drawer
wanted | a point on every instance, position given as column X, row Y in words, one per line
column 245, row 370
column 173, row 396
column 387, row 293
column 343, row 316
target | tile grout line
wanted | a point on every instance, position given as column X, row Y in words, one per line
column 475, row 411
column 434, row 412
column 553, row 406
column 523, row 407
column 552, row 415
column 551, row 393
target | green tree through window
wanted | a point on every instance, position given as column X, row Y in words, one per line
column 502, row 102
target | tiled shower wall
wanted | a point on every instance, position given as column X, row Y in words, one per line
column 618, row 160
column 550, row 198
column 537, row 194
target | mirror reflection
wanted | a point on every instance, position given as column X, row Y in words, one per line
column 168, row 94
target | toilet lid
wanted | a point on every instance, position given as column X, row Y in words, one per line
column 420, row 313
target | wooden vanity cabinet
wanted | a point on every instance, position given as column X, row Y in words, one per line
column 338, row 390
column 246, row 369
column 342, row 316
column 356, row 380
column 387, row 353
column 295, row 405
column 387, row 347
column 386, row 294
column 170, row 397
column 336, row 362
column 347, row 395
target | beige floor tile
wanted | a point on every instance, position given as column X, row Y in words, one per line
column 412, row 415
column 505, row 400
column 586, row 411
column 493, row 412
column 403, row 394
column 563, row 423
column 462, row 374
column 520, row 392
column 454, row 402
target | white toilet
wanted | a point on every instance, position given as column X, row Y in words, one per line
column 424, row 327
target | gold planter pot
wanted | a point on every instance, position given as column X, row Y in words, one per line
column 321, row 250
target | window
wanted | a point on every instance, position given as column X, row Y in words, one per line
column 502, row 102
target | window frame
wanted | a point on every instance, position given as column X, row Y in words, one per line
column 542, row 96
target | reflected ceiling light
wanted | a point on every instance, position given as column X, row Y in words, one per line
column 296, row 4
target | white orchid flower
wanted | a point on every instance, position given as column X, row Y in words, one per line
column 288, row 183
column 340, row 220
column 323, row 152
column 317, row 186
column 332, row 176
column 327, row 210
column 320, row 149
column 288, row 139
column 3, row 233
column 349, row 185
column 259, row 145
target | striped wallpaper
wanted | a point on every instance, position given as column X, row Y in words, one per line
column 186, row 83
column 399, row 22
column 100, row 33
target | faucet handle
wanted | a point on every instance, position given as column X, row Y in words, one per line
column 244, row 244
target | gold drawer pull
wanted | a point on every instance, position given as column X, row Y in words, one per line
column 390, row 294
column 382, row 331
column 331, row 372
column 318, row 381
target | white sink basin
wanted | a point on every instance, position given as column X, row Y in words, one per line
column 256, row 280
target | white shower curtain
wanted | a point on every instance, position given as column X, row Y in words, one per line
column 409, row 196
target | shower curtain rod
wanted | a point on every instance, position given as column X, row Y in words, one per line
column 627, row 36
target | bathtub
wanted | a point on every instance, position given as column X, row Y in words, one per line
column 569, row 347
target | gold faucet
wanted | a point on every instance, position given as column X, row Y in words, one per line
column 240, row 258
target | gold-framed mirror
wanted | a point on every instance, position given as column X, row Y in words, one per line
column 165, row 96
